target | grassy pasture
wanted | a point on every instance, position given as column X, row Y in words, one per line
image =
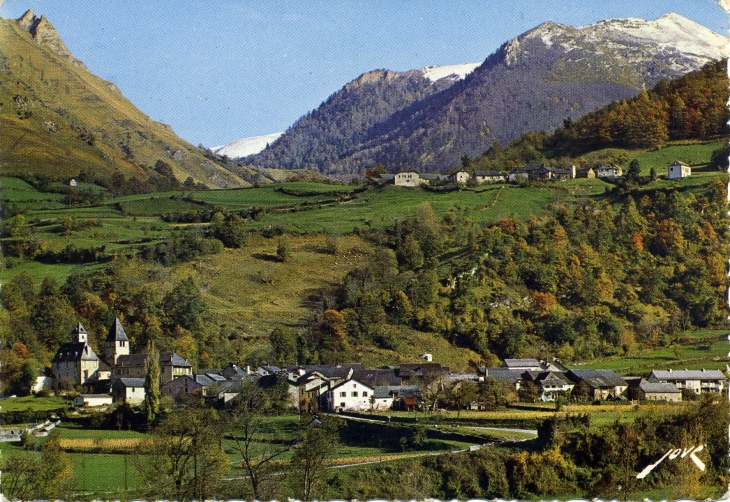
column 695, row 154
column 33, row 403
column 154, row 206
column 699, row 349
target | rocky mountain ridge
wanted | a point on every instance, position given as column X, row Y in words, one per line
column 58, row 119
column 44, row 34
column 531, row 83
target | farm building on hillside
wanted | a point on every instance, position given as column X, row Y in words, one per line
column 490, row 177
column 678, row 170
column 608, row 171
column 407, row 179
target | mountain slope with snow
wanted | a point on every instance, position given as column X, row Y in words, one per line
column 246, row 146
column 423, row 120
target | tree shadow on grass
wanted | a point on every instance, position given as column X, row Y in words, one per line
column 266, row 257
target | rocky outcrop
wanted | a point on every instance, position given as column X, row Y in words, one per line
column 46, row 35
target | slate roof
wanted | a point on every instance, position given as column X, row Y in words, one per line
column 130, row 360
column 74, row 351
column 79, row 329
column 116, row 332
column 204, row 379
column 375, row 377
column 333, row 371
column 170, row 357
column 658, row 388
column 348, row 381
column 132, row 382
column 504, row 374
column 271, row 369
column 460, row 377
column 214, row 376
column 386, row 391
column 688, row 375
column 547, row 376
column 137, row 360
column 417, row 370
column 521, row 364
column 598, row 378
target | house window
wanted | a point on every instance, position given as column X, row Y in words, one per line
column 354, row 393
column 342, row 405
column 364, row 393
column 343, row 394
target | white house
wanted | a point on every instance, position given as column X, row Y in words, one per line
column 460, row 176
column 678, row 170
column 697, row 381
column 93, row 400
column 350, row 395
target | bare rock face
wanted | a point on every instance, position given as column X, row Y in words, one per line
column 46, row 35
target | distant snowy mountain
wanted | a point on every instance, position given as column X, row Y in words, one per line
column 428, row 119
column 459, row 71
column 246, row 146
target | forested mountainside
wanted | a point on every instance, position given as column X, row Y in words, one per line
column 59, row 120
column 532, row 83
column 690, row 107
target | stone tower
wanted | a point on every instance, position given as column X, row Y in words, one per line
column 116, row 344
column 79, row 335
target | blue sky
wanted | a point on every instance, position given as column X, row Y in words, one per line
column 221, row 70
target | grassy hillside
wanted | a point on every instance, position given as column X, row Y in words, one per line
column 59, row 120
column 330, row 230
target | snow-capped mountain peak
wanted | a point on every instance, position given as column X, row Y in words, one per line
column 246, row 146
column 460, row 71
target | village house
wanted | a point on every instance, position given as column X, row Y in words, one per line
column 75, row 363
column 650, row 391
column 677, row 170
column 597, row 385
column 522, row 364
column 461, row 176
column 43, row 382
column 608, row 171
column 482, row 177
column 549, row 384
column 93, row 400
column 513, row 378
column 396, row 397
column 350, row 395
column 415, row 371
column 130, row 390
column 407, row 179
column 133, row 366
column 697, row 381
column 183, row 386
